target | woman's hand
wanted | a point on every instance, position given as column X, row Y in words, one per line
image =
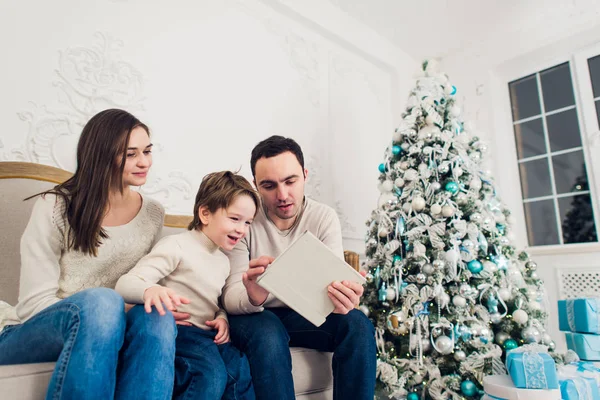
column 159, row 295
column 222, row 328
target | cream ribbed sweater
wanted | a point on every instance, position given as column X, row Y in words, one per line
column 190, row 264
column 49, row 273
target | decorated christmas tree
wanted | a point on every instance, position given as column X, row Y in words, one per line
column 447, row 290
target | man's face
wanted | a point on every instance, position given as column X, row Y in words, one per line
column 280, row 182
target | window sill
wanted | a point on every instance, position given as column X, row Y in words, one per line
column 563, row 249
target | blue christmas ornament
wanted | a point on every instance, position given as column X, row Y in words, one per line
column 451, row 187
column 501, row 261
column 404, row 284
column 407, row 245
column 382, row 292
column 377, row 277
column 382, row 168
column 501, row 228
column 397, row 258
column 467, row 387
column 492, row 304
column 398, row 192
column 475, row 266
column 453, row 91
column 396, row 150
column 412, row 396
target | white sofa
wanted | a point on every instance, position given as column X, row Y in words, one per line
column 311, row 369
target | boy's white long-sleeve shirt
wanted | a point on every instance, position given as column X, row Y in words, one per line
column 190, row 264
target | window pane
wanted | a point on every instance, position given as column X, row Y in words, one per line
column 530, row 139
column 563, row 130
column 577, row 218
column 541, row 222
column 535, row 178
column 569, row 172
column 594, row 66
column 524, row 98
column 557, row 87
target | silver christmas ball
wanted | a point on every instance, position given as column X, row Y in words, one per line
column 459, row 301
column 421, row 279
column 436, row 186
column 552, row 346
column 444, row 344
column 468, row 244
column 438, row 264
column 476, row 217
column 546, row 339
column 533, row 275
column 531, row 265
column 465, row 290
column 364, row 309
column 531, row 335
column 520, row 317
column 443, row 169
column 460, row 355
column 427, row 269
column 502, row 337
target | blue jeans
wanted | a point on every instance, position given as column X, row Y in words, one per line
column 100, row 352
column 207, row 371
column 266, row 337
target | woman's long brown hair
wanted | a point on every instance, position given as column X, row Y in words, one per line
column 101, row 155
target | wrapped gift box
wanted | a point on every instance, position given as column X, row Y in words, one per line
column 579, row 315
column 584, row 369
column 531, row 369
column 501, row 387
column 579, row 388
column 586, row 346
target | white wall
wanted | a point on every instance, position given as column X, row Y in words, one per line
column 211, row 79
column 482, row 71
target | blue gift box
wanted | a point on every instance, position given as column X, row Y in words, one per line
column 531, row 370
column 579, row 315
column 586, row 346
column 579, row 388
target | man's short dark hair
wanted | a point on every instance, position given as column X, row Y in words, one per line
column 274, row 146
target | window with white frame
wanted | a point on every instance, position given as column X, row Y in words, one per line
column 551, row 148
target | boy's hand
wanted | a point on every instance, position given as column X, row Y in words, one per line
column 159, row 295
column 256, row 267
column 222, row 328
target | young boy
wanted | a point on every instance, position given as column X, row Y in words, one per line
column 187, row 272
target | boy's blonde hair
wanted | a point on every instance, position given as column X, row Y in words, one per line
column 219, row 190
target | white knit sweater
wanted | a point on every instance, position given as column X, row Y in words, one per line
column 50, row 273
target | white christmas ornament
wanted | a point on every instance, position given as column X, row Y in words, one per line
column 459, row 301
column 387, row 186
column 444, row 345
column 436, row 209
column 399, row 182
column 504, row 294
column 447, row 211
column 390, row 294
column 410, row 175
column 458, row 171
column 386, row 198
column 397, row 136
column 364, row 309
column 418, row 203
column 520, row 317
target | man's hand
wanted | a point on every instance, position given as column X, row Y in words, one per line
column 256, row 267
column 345, row 295
column 222, row 328
column 159, row 295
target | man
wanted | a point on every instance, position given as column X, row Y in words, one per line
column 262, row 326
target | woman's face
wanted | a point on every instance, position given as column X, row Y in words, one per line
column 138, row 158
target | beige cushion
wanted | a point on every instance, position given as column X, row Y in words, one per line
column 14, row 215
column 30, row 381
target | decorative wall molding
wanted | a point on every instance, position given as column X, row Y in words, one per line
column 303, row 54
column 89, row 80
column 315, row 178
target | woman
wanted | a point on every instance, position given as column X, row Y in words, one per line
column 81, row 237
